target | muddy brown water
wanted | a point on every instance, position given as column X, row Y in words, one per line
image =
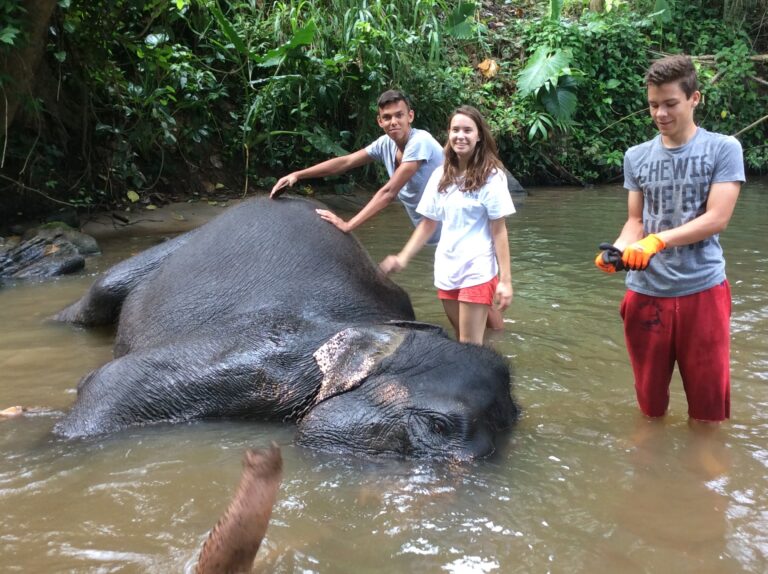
column 584, row 484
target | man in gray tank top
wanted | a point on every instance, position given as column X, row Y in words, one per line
column 683, row 186
column 409, row 155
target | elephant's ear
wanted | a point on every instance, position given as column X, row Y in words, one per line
column 418, row 326
column 348, row 357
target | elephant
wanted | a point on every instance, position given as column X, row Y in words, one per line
column 268, row 312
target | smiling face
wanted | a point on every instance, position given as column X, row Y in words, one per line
column 395, row 119
column 672, row 112
column 463, row 136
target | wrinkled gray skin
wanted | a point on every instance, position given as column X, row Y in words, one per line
column 270, row 313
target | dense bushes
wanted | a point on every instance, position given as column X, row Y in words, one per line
column 147, row 91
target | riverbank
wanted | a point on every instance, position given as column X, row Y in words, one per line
column 178, row 217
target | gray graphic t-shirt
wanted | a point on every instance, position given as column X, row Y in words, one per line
column 421, row 147
column 675, row 184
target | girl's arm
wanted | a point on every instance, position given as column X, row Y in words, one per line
column 419, row 237
column 504, row 290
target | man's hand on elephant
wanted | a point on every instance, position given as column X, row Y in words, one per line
column 285, row 181
column 331, row 217
column 391, row 264
column 637, row 255
column 503, row 296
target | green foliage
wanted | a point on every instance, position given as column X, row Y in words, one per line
column 548, row 77
column 11, row 23
column 149, row 88
column 459, row 23
column 612, row 51
column 543, row 69
column 314, row 92
column 555, row 9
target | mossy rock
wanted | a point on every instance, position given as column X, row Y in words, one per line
column 85, row 244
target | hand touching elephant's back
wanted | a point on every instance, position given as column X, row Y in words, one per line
column 256, row 256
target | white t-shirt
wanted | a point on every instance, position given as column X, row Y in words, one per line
column 465, row 255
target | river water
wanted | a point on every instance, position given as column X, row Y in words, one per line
column 585, row 484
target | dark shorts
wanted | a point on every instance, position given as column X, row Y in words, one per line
column 692, row 331
column 482, row 294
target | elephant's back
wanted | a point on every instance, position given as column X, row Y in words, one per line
column 262, row 254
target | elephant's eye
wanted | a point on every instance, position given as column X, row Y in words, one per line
column 439, row 426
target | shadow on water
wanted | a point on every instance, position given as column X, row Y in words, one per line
column 584, row 484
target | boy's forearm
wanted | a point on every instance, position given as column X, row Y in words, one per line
column 720, row 206
column 631, row 232
column 379, row 201
column 386, row 193
column 703, row 227
column 334, row 166
column 715, row 219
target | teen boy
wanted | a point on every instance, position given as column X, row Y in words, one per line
column 683, row 186
column 410, row 155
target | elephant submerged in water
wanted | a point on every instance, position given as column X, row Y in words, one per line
column 267, row 312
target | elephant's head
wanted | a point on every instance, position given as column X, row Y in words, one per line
column 408, row 391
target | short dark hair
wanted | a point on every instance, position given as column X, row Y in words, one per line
column 392, row 97
column 677, row 68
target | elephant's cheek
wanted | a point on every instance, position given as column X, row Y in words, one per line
column 326, row 426
column 337, row 425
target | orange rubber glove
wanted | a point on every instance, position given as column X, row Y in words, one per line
column 604, row 265
column 637, row 255
column 609, row 258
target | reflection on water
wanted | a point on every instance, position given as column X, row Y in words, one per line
column 584, row 484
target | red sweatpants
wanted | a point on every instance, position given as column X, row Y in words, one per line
column 693, row 330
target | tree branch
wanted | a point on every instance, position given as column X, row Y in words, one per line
column 45, row 195
column 750, row 126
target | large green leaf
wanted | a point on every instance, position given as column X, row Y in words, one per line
column 302, row 37
column 459, row 23
column 663, row 10
column 544, row 66
column 8, row 34
column 228, row 29
column 559, row 102
column 323, row 143
column 555, row 9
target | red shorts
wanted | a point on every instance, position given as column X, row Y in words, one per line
column 693, row 331
column 482, row 294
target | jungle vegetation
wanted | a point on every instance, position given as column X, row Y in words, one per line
column 120, row 102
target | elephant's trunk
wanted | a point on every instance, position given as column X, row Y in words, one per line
column 234, row 541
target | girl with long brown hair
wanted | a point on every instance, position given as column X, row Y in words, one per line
column 469, row 195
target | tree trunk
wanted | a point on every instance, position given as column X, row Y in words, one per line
column 597, row 5
column 21, row 63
